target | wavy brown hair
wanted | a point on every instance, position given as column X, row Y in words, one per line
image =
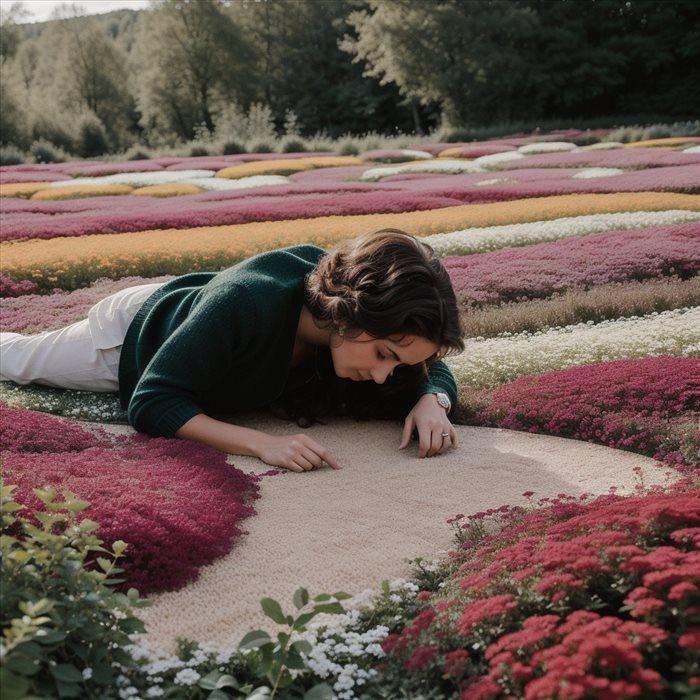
column 387, row 284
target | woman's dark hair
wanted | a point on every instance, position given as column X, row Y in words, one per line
column 387, row 284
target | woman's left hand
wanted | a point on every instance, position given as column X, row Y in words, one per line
column 436, row 434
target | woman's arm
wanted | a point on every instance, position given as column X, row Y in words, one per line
column 295, row 452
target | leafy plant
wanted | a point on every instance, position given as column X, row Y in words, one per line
column 63, row 625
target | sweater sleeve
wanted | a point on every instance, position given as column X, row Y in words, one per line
column 198, row 354
column 440, row 379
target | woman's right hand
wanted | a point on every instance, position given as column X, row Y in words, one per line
column 299, row 453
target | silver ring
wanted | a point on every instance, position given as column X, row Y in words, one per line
column 445, row 435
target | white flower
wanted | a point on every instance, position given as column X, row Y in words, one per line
column 436, row 165
column 495, row 159
column 494, row 361
column 692, row 149
column 188, row 676
column 589, row 173
column 160, row 177
column 603, row 146
column 547, row 147
column 155, row 691
column 87, row 673
column 484, row 239
column 222, row 183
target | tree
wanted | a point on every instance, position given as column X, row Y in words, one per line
column 192, row 59
column 472, row 58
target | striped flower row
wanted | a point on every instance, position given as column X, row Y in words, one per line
column 488, row 362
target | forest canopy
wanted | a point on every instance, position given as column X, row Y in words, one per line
column 183, row 68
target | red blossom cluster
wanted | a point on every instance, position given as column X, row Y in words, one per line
column 11, row 288
column 646, row 405
column 177, row 504
column 553, row 605
column 629, row 158
column 540, row 270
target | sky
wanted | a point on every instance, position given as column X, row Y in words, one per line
column 40, row 10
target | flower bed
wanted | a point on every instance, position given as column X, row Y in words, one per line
column 488, row 362
column 142, row 491
column 76, row 262
column 647, row 405
column 540, row 270
column 577, row 600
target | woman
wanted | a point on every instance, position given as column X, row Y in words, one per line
column 358, row 330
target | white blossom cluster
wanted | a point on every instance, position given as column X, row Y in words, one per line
column 489, row 362
column 160, row 177
column 589, row 173
column 436, row 165
column 495, row 159
column 691, row 149
column 547, row 147
column 603, row 146
column 241, row 183
column 481, row 240
column 84, row 405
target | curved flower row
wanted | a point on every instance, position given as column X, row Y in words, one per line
column 488, row 362
column 546, row 268
column 75, row 262
column 176, row 503
column 649, row 405
column 577, row 600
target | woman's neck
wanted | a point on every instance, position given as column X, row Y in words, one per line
column 309, row 333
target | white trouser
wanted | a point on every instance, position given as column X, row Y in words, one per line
column 84, row 355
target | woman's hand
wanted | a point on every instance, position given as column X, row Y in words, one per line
column 436, row 434
column 296, row 452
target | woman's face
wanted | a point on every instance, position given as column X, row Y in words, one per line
column 365, row 358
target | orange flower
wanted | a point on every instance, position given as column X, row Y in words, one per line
column 172, row 189
column 286, row 166
column 175, row 251
column 21, row 189
column 77, row 191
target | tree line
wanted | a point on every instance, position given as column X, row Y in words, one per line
column 238, row 68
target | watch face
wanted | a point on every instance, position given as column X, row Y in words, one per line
column 443, row 400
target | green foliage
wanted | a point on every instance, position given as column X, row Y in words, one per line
column 293, row 145
column 232, row 147
column 44, row 151
column 262, row 147
column 92, row 139
column 64, row 627
column 11, row 155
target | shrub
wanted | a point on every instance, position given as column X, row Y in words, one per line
column 348, row 148
column 262, row 147
column 46, row 152
column 92, row 138
column 11, row 155
column 137, row 153
column 293, row 145
column 231, row 148
column 64, row 626
column 198, row 151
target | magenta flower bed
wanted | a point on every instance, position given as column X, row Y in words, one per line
column 34, row 313
column 618, row 158
column 539, row 270
column 118, row 216
column 11, row 288
column 177, row 504
column 648, row 405
column 23, row 176
column 574, row 600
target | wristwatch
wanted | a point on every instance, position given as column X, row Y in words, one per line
column 443, row 400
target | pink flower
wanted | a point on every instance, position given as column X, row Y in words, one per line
column 480, row 610
column 420, row 658
column 456, row 662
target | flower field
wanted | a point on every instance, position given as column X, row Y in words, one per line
column 576, row 269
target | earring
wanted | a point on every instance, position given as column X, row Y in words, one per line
column 341, row 332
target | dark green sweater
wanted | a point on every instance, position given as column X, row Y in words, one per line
column 222, row 342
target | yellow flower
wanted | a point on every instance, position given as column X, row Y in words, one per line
column 78, row 191
column 21, row 189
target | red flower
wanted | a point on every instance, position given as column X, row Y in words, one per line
column 479, row 610
column 456, row 662
column 420, row 658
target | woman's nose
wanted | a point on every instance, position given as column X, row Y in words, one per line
column 379, row 374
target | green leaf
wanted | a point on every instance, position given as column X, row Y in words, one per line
column 302, row 646
column 301, row 598
column 14, row 687
column 294, row 660
column 216, row 680
column 66, row 673
column 69, row 690
column 261, row 693
column 331, row 608
column 105, row 564
column 322, row 691
column 51, row 637
column 119, row 547
column 301, row 621
column 273, row 610
column 341, row 595
column 254, row 640
column 218, row 695
column 21, row 664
